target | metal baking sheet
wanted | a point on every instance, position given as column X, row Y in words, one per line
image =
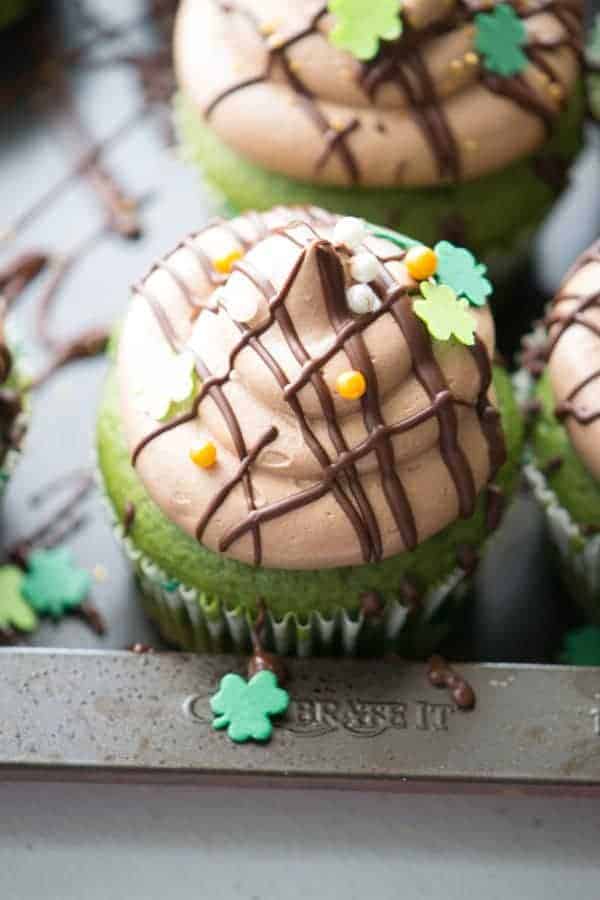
column 91, row 711
column 121, row 716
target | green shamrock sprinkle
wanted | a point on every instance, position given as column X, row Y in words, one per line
column 581, row 647
column 444, row 314
column 53, row 586
column 360, row 26
column 499, row 37
column 459, row 269
column 244, row 707
column 14, row 612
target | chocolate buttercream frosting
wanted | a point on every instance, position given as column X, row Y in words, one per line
column 426, row 110
column 573, row 356
column 292, row 471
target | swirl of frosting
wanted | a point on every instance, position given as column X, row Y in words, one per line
column 425, row 111
column 573, row 353
column 307, row 475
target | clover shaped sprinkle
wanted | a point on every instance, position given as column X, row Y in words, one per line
column 168, row 382
column 360, row 26
column 244, row 708
column 444, row 314
column 52, row 585
column 499, row 37
column 459, row 269
column 14, row 611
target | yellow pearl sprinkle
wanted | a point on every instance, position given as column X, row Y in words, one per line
column 204, row 455
column 351, row 385
column 268, row 28
column 421, row 262
column 457, row 65
column 224, row 264
column 471, row 58
column 556, row 90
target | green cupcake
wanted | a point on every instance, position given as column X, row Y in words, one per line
column 299, row 416
column 452, row 129
column 13, row 407
column 564, row 457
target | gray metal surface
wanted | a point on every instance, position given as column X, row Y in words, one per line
column 121, row 716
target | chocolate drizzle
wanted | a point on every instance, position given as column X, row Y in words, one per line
column 402, row 63
column 338, row 474
column 128, row 517
column 261, row 660
column 442, row 675
column 335, row 139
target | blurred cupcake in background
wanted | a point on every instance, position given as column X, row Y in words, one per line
column 562, row 369
column 12, row 404
column 304, row 416
column 454, row 120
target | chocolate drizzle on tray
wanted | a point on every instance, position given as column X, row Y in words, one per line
column 442, row 675
column 402, row 63
column 339, row 474
column 261, row 660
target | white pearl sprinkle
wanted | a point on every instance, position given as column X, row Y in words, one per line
column 350, row 231
column 364, row 267
column 241, row 309
column 362, row 299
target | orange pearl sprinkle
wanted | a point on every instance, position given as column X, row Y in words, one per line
column 204, row 455
column 224, row 264
column 351, row 385
column 421, row 262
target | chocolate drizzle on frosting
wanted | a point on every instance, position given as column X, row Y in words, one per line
column 558, row 323
column 338, row 474
column 335, row 140
column 403, row 64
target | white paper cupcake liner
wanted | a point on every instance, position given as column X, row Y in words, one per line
column 579, row 553
column 190, row 619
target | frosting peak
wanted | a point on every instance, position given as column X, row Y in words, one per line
column 334, row 437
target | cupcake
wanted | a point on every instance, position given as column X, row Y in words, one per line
column 564, row 451
column 12, row 407
column 301, row 418
column 452, row 120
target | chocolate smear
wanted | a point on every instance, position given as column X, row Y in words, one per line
column 441, row 675
column 261, row 660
